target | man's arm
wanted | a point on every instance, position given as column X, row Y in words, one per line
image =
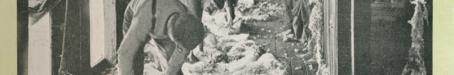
column 136, row 36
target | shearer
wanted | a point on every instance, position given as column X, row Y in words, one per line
column 159, row 34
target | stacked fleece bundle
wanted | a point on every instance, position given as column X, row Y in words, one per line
column 227, row 52
column 232, row 55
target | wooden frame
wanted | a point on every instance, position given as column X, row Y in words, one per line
column 329, row 35
column 103, row 36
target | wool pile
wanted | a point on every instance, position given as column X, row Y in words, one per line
column 415, row 64
column 225, row 51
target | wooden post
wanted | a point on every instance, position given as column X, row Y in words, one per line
column 344, row 40
column 76, row 42
column 330, row 35
column 102, row 31
column 57, row 17
column 22, row 34
column 110, row 31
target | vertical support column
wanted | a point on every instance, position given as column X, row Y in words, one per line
column 110, row 30
column 361, row 20
column 57, row 17
column 76, row 43
column 97, row 32
column 102, row 31
column 330, row 35
column 344, row 37
column 22, row 34
column 39, row 47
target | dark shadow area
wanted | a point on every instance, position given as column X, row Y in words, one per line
column 22, row 36
column 344, row 37
column 382, row 37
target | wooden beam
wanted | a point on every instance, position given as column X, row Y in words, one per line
column 330, row 35
column 102, row 31
column 22, row 40
column 57, row 15
column 344, row 41
column 110, row 30
column 76, row 45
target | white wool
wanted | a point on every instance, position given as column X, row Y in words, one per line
column 216, row 22
column 234, row 54
column 415, row 65
column 257, row 10
column 243, row 56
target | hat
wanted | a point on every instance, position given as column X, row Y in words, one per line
column 185, row 30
